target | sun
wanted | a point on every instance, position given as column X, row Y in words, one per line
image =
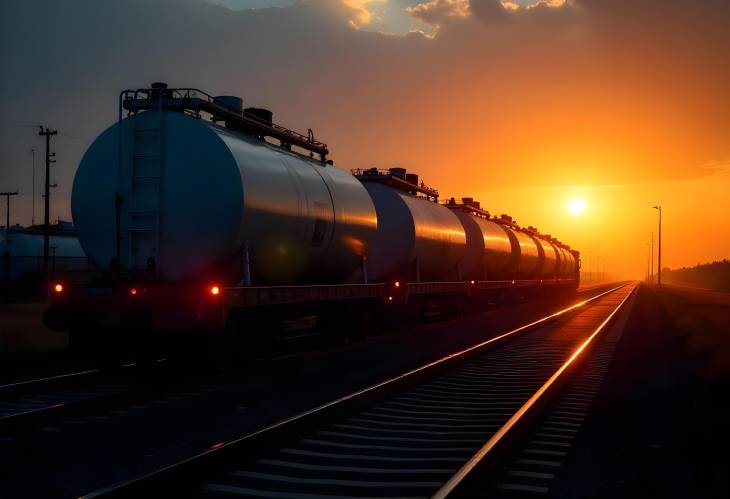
column 577, row 206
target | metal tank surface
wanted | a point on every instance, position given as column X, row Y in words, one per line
column 194, row 199
column 548, row 257
column 551, row 253
column 488, row 249
column 525, row 259
column 569, row 264
column 417, row 238
column 21, row 254
column 529, row 255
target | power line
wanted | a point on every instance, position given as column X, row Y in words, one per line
column 74, row 137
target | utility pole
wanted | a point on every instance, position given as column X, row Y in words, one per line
column 659, row 255
column 47, row 133
column 7, row 214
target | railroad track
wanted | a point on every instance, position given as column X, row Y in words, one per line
column 430, row 432
column 25, row 402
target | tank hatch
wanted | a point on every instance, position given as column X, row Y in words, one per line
column 397, row 178
column 468, row 205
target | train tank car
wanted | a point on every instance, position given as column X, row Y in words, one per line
column 418, row 239
column 569, row 263
column 488, row 254
column 171, row 194
column 202, row 216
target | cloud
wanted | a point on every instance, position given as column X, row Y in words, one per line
column 437, row 12
column 363, row 11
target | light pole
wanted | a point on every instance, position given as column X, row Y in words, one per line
column 651, row 274
column 659, row 253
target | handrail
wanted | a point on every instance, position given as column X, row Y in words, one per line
column 387, row 177
column 195, row 100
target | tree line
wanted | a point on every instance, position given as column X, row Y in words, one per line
column 715, row 275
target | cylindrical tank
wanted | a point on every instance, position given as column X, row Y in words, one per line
column 416, row 237
column 194, row 198
column 567, row 265
column 549, row 258
column 525, row 255
column 573, row 264
column 488, row 249
column 21, row 254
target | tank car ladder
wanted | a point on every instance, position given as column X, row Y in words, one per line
column 145, row 195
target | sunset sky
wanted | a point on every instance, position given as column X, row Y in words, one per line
column 573, row 116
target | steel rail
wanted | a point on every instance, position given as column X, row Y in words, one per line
column 56, row 377
column 65, row 376
column 184, row 471
column 452, row 487
column 64, row 401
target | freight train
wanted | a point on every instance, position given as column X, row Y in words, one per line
column 204, row 216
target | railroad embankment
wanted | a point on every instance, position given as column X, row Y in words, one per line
column 659, row 426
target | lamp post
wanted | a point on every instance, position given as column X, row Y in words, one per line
column 651, row 273
column 659, row 253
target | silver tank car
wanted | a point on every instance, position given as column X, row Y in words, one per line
column 525, row 255
column 193, row 198
column 569, row 264
column 535, row 255
column 417, row 238
column 548, row 254
column 488, row 252
column 549, row 258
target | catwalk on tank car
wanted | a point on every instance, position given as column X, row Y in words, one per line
column 201, row 215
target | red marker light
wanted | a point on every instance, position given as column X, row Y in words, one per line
column 58, row 288
column 215, row 290
column 471, row 282
column 396, row 284
column 133, row 291
column 390, row 298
